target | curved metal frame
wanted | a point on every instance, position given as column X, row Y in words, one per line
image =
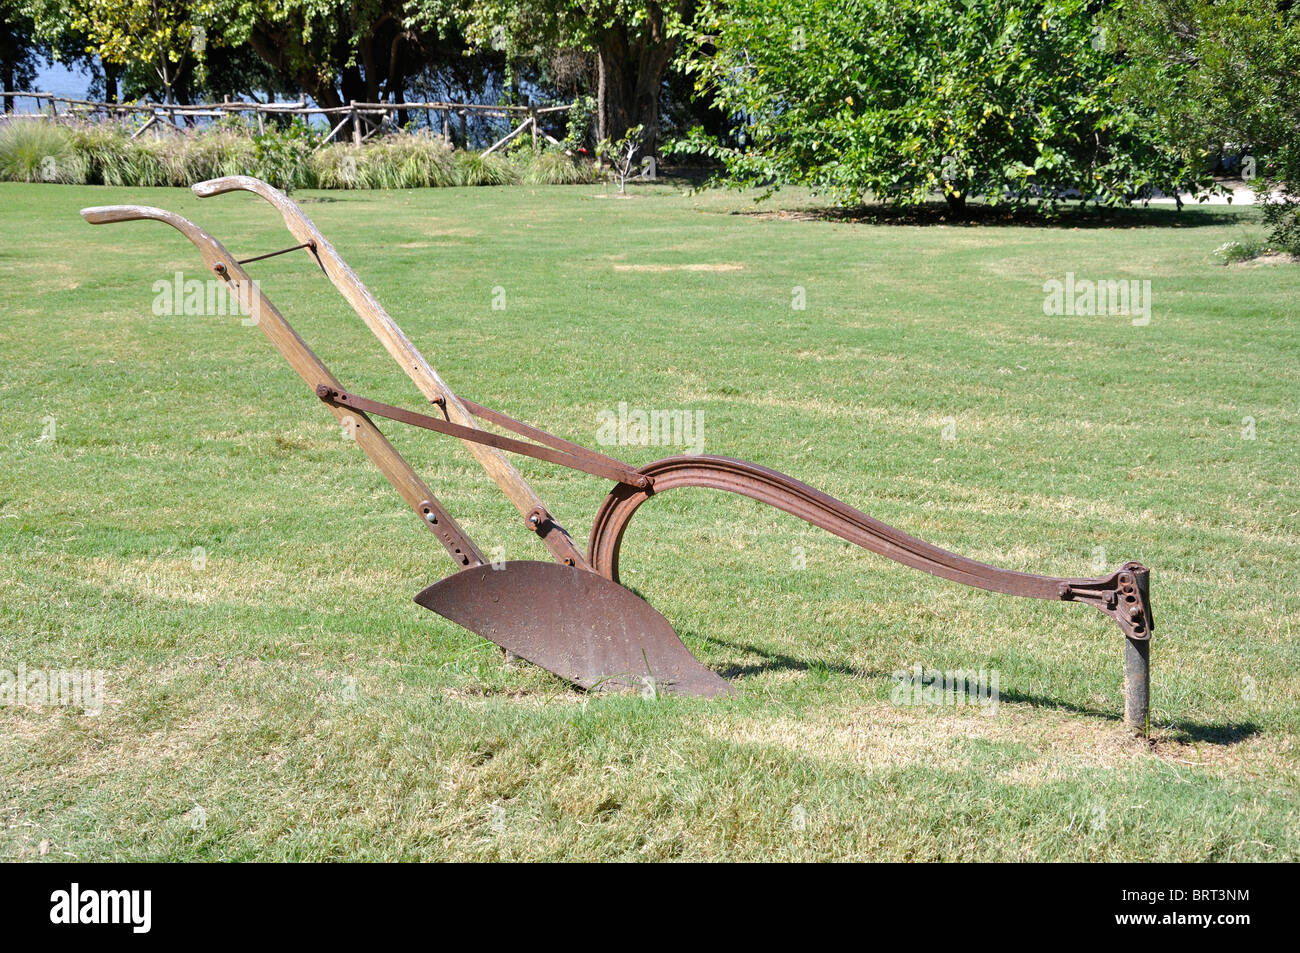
column 1122, row 595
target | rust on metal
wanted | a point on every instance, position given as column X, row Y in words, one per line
column 574, row 623
column 282, row 251
column 1123, row 595
column 458, row 545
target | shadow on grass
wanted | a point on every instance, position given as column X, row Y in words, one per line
column 1222, row 733
column 1071, row 217
column 775, row 662
column 1185, row 732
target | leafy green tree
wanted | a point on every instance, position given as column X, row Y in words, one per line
column 159, row 35
column 1012, row 100
column 1224, row 76
column 633, row 43
column 20, row 52
column 334, row 51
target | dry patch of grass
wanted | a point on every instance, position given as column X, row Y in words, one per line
column 688, row 267
column 877, row 737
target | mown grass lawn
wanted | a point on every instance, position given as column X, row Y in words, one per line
column 283, row 698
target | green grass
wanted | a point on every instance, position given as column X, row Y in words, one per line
column 292, row 690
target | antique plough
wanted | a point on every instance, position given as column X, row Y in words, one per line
column 571, row 616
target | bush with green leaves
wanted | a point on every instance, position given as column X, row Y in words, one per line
column 900, row 100
column 579, row 124
column 1220, row 76
column 1283, row 219
column 283, row 156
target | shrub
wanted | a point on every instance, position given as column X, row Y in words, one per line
column 1243, row 249
column 1214, row 72
column 283, row 156
column 407, row 162
column 103, row 148
column 288, row 158
column 1008, row 100
column 556, row 168
column 336, row 167
column 473, row 168
column 1283, row 218
column 36, row 150
column 219, row 153
column 396, row 162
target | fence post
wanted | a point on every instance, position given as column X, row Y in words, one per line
column 356, row 123
column 532, row 115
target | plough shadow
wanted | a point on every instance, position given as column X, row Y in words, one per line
column 1221, row 733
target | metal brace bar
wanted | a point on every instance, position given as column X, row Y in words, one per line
column 613, row 470
column 282, row 251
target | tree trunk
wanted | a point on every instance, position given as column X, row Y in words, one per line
column 110, row 83
column 354, row 90
column 397, row 79
column 272, row 46
column 366, row 47
column 602, row 92
column 631, row 72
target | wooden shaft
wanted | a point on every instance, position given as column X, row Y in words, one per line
column 395, row 341
column 309, row 367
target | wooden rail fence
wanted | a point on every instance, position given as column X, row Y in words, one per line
column 364, row 119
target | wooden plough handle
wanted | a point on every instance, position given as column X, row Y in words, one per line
column 309, row 367
column 395, row 341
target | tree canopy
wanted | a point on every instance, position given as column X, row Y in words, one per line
column 901, row 99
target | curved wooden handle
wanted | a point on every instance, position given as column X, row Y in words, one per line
column 310, row 368
column 107, row 214
column 213, row 251
column 395, row 341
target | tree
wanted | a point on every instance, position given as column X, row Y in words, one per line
column 340, row 51
column 633, row 42
column 159, row 35
column 54, row 32
column 1222, row 77
column 20, row 53
column 621, row 155
column 1013, row 100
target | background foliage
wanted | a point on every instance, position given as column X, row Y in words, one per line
column 899, row 99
